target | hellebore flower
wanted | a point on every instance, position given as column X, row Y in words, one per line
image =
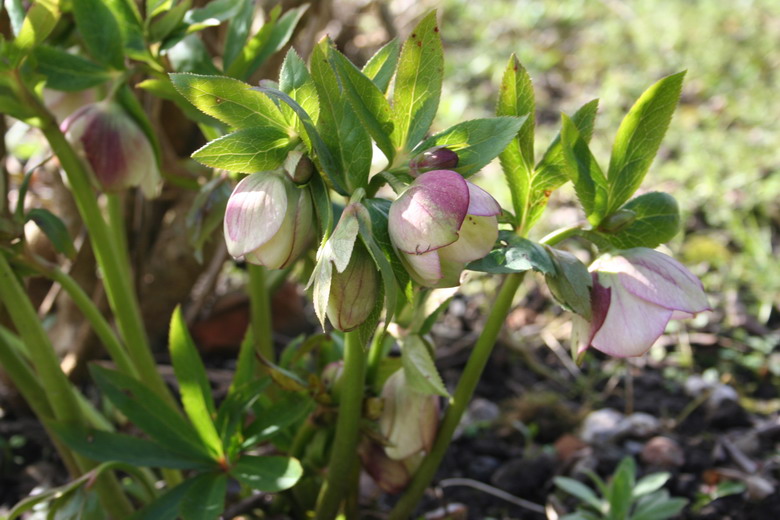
column 439, row 224
column 635, row 294
column 409, row 419
column 118, row 152
column 436, row 158
column 268, row 220
column 353, row 293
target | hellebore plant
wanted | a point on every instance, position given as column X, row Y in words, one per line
column 306, row 204
column 635, row 294
column 441, row 223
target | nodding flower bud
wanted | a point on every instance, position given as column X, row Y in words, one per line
column 116, row 149
column 618, row 221
column 353, row 293
column 298, row 167
column 439, row 224
column 268, row 220
column 436, row 158
column 409, row 420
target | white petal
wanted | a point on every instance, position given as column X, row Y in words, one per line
column 255, row 212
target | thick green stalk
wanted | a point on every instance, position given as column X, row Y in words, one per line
column 344, row 451
column 99, row 324
column 116, row 279
column 260, row 311
column 468, row 383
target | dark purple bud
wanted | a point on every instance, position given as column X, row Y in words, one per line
column 436, row 158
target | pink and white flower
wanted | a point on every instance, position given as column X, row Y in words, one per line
column 439, row 224
column 635, row 293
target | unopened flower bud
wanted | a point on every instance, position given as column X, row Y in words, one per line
column 118, row 152
column 619, row 220
column 441, row 223
column 436, row 158
column 268, row 220
column 353, row 293
column 409, row 420
column 299, row 167
column 331, row 374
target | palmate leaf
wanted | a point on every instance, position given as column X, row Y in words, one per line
column 381, row 66
column 639, row 138
column 417, row 83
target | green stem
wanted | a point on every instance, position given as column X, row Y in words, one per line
column 376, row 352
column 344, row 450
column 116, row 279
column 260, row 311
column 468, row 382
column 99, row 324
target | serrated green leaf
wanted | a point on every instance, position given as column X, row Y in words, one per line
column 579, row 490
column 100, row 30
column 163, row 26
column 66, row 71
column 296, row 82
column 339, row 126
column 155, row 7
column 571, row 282
column 639, row 137
column 368, row 102
column 271, row 420
column 477, row 142
column 231, row 101
column 54, row 229
column 585, row 173
column 656, row 221
column 190, row 55
column 419, row 368
column 516, row 98
column 105, row 446
column 246, row 151
column 128, row 17
column 37, row 24
column 167, row 506
column 417, row 83
column 193, row 383
column 148, row 412
column 274, row 35
column 323, row 153
column 211, row 14
column 270, row 474
column 205, row 499
column 322, row 205
column 377, row 241
column 518, row 256
column 381, row 66
column 550, row 173
column 163, row 88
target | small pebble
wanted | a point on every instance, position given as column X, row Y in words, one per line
column 663, row 452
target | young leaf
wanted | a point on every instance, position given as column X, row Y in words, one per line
column 417, row 84
column 100, row 31
column 189, row 54
column 639, row 138
column 54, row 229
column 238, row 31
column 419, row 368
column 271, row 420
column 550, row 173
column 205, row 499
column 128, row 17
column 368, row 101
column 519, row 255
column 212, row 14
column 66, row 71
column 586, row 175
column 105, row 446
column 620, row 489
column 296, row 82
column 167, row 506
column 650, row 483
column 270, row 474
column 37, row 25
column 516, row 98
column 339, row 126
column 656, row 220
column 381, row 66
column 193, row 383
column 149, row 413
column 246, row 151
column 229, row 100
column 579, row 490
column 477, row 142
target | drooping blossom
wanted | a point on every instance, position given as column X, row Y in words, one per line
column 439, row 224
column 116, row 149
column 268, row 220
column 353, row 293
column 635, row 294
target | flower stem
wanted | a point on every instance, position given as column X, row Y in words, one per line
column 344, row 450
column 466, row 386
column 260, row 311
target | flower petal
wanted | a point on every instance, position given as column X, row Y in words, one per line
column 425, row 269
column 481, row 202
column 255, row 212
column 662, row 280
column 476, row 238
column 631, row 324
column 429, row 213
